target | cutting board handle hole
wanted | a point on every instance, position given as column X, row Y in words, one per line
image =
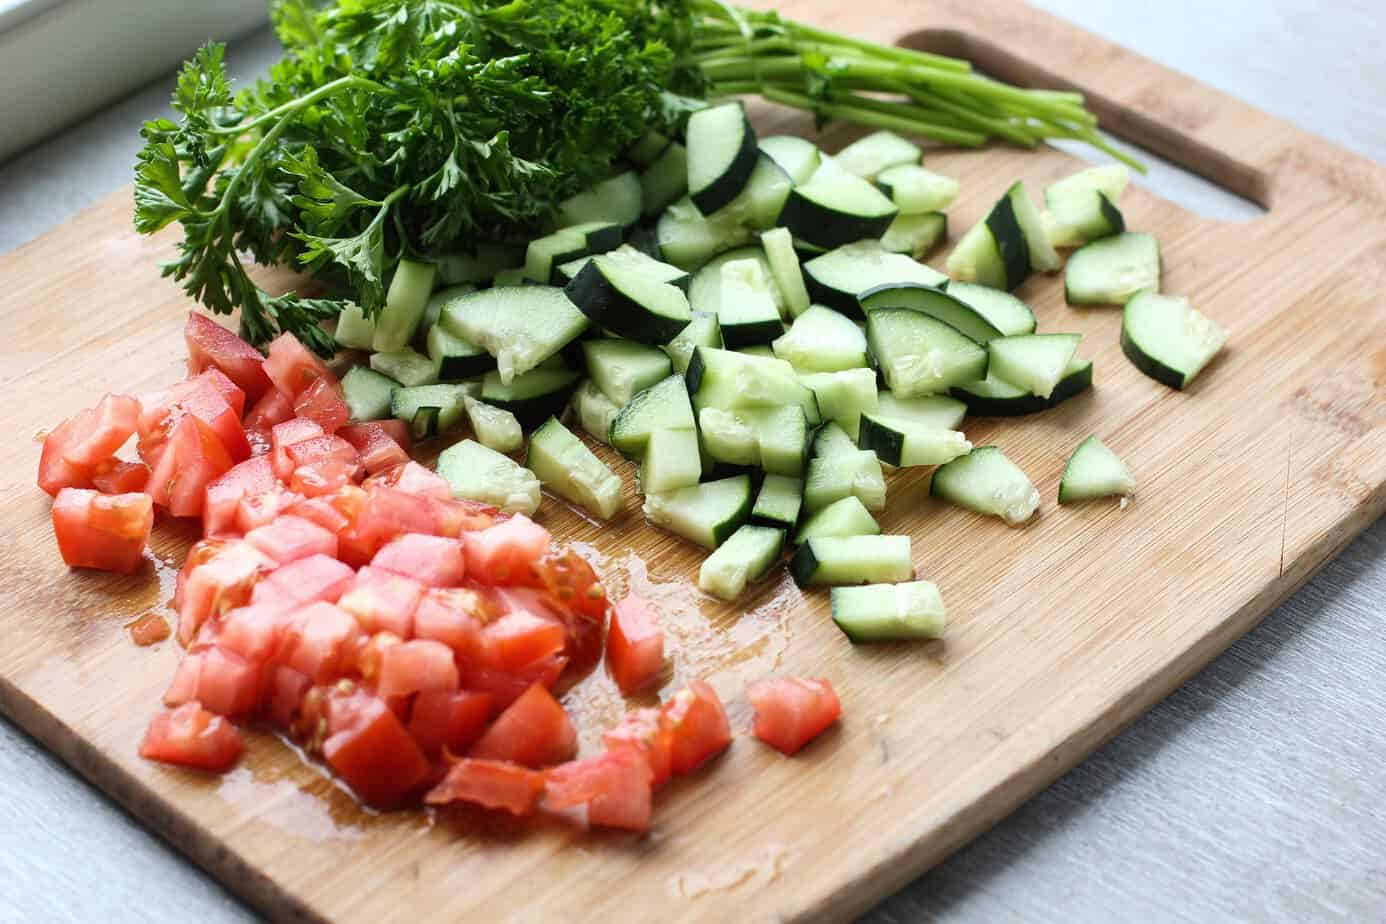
column 1207, row 181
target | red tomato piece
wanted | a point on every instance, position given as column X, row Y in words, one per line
column 55, row 472
column 322, row 511
column 272, row 409
column 382, row 601
column 223, row 495
column 434, row 561
column 449, row 721
column 103, row 531
column 211, row 346
column 202, row 398
column 326, row 476
column 116, row 477
column 292, row 367
column 190, row 736
column 453, row 518
column 634, row 645
column 455, row 616
column 491, row 784
column 318, row 640
column 412, row 478
column 286, row 434
column 384, row 514
column 504, row 553
column 98, row 433
column 647, row 731
column 505, row 687
column 308, row 580
column 283, row 694
column 792, row 711
column 290, row 538
column 323, row 402
column 370, row 749
column 524, row 634
column 382, row 445
column 256, row 510
column 698, row 727
column 533, row 731
column 184, row 456
column 255, row 632
column 217, row 577
column 220, row 679
column 614, row 786
column 419, row 666
column 569, row 579
column 229, row 390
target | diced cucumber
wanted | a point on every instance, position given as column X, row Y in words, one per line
column 636, row 259
column 622, row 367
column 1033, row 362
column 705, row 288
column 936, row 411
column 832, row 439
column 775, row 439
column 899, row 441
column 779, row 501
column 746, row 556
column 354, row 330
column 531, row 397
column 822, row 340
column 722, row 153
column 844, row 396
column 784, row 267
column 406, row 367
column 838, row 560
column 1043, row 257
column 839, row 277
column 731, row 381
column 764, row 351
column 746, row 311
column 672, row 461
column 565, row 465
column 448, row 399
column 1112, row 270
column 520, row 326
column 545, row 254
column 987, row 482
column 728, row 437
column 617, row 199
column 991, row 397
column 833, row 211
column 706, row 513
column 889, row 612
column 662, row 406
column 495, row 428
column 404, row 305
column 759, row 204
column 594, row 410
column 512, row 277
column 367, row 393
column 915, row 190
column 867, row 157
column 480, row 266
column 703, row 330
column 664, row 180
column 1167, row 339
column 629, row 302
column 688, row 239
column 647, row 149
column 915, row 235
column 1002, row 310
column 1094, row 471
column 440, row 297
column 936, row 303
column 845, row 517
column 797, row 156
column 424, row 422
column 480, row 474
column 455, row 357
column 976, row 258
column 1082, row 207
column 919, row 355
column 833, row 477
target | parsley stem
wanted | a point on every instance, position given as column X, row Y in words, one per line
column 293, row 106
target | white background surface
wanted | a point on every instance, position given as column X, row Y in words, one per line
column 1255, row 793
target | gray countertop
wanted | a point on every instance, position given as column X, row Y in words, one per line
column 1255, row 793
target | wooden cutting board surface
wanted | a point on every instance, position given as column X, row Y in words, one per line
column 1060, row 632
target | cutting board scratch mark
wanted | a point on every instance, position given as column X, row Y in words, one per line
column 1285, row 508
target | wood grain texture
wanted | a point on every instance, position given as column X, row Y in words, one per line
column 1044, row 661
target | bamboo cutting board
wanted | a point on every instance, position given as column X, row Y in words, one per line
column 1060, row 632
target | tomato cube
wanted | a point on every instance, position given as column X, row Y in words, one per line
column 98, row 433
column 212, row 346
column 614, row 786
column 290, row 538
column 318, row 640
column 55, row 472
column 223, row 495
column 455, row 616
column 382, row 601
column 504, row 553
column 634, row 645
column 419, row 666
column 322, row 402
column 520, row 637
column 292, row 367
column 450, row 721
column 215, row 581
column 412, row 478
column 255, row 632
column 256, row 510
column 203, row 398
column 116, row 477
column 283, row 694
column 434, row 561
column 792, row 711
column 323, row 477
column 698, row 727
column 491, row 784
column 649, row 732
column 453, row 518
column 191, row 736
column 218, row 678
column 323, row 511
column 184, row 456
column 533, row 731
column 369, row 748
column 308, row 580
column 383, row 444
column 103, row 531
column 505, row 687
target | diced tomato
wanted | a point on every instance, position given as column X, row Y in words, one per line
column 272, row 409
column 522, row 636
column 505, row 687
column 533, row 731
column 201, row 397
column 318, row 639
column 290, row 538
column 211, row 346
column 451, row 721
column 323, row 402
column 504, row 553
column 292, row 367
column 792, row 711
column 218, row 678
column 369, row 748
column 634, row 645
column 308, row 580
column 569, row 579
column 614, row 786
column 223, row 495
column 256, row 510
column 103, row 531
column 698, row 727
column 55, row 472
column 116, row 477
column 326, row 476
column 184, row 456
column 382, row 601
column 322, row 511
column 217, row 577
column 412, row 478
column 491, row 784
column 99, row 432
column 190, row 736
column 383, row 444
column 286, row 434
column 434, row 561
column 647, row 731
column 230, row 392
column 453, row 518
column 255, row 632
column 384, row 514
column 419, row 666
column 455, row 616
column 284, row 692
